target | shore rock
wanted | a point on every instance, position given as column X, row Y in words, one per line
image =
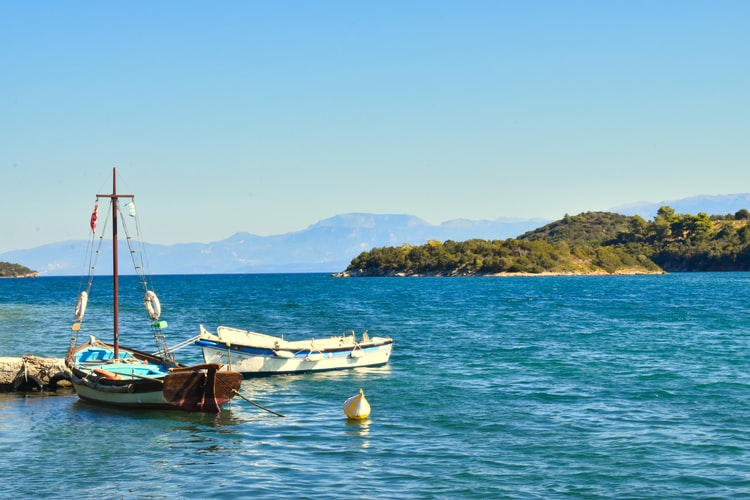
column 32, row 374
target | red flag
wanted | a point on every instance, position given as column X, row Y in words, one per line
column 94, row 215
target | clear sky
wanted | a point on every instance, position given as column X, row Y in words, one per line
column 269, row 116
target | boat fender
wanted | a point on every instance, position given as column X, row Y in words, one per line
column 55, row 381
column 83, row 299
column 27, row 383
column 153, row 306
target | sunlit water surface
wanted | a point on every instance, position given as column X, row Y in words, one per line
column 522, row 387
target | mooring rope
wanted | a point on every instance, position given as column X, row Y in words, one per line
column 236, row 392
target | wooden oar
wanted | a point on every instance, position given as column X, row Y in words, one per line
column 144, row 377
column 131, row 375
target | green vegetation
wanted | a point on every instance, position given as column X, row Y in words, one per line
column 8, row 270
column 588, row 243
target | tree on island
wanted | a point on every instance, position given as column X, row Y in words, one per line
column 9, row 270
column 588, row 243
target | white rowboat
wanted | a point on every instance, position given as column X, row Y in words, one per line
column 257, row 354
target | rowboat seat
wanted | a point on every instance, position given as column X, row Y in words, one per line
column 91, row 355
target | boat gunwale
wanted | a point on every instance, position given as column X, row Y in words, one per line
column 296, row 352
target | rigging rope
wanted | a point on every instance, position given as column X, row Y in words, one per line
column 90, row 261
column 139, row 267
column 144, row 278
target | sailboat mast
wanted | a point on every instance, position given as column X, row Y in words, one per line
column 113, row 198
column 115, row 267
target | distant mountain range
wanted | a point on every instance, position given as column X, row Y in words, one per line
column 326, row 246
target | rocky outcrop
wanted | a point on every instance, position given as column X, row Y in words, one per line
column 33, row 374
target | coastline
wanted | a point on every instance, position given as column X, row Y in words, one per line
column 400, row 274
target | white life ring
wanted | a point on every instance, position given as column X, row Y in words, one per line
column 153, row 307
column 83, row 299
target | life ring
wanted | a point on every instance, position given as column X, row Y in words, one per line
column 153, row 306
column 83, row 299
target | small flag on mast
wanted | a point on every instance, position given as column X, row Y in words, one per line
column 94, row 216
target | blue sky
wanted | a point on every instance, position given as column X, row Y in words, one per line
column 267, row 117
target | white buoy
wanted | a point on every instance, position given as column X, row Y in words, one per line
column 357, row 407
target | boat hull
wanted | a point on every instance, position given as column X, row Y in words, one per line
column 259, row 355
column 122, row 395
column 141, row 380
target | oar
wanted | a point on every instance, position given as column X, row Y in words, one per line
column 131, row 375
column 237, row 393
column 135, row 375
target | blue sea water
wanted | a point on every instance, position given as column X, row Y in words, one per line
column 514, row 387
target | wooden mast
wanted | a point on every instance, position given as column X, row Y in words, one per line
column 114, row 197
column 115, row 266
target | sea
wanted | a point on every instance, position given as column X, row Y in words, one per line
column 521, row 387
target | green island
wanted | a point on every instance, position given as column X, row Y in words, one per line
column 8, row 270
column 590, row 243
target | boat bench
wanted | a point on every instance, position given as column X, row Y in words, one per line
column 95, row 355
column 142, row 370
column 99, row 356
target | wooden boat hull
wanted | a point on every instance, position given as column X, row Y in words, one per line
column 192, row 396
column 141, row 380
column 260, row 355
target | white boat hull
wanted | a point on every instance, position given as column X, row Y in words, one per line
column 258, row 355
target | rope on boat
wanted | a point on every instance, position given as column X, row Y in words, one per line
column 237, row 393
column 180, row 345
column 92, row 258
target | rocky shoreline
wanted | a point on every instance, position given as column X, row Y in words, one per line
column 33, row 374
column 451, row 274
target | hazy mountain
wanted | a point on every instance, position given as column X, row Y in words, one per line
column 327, row 246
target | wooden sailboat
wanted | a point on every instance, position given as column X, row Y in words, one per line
column 113, row 375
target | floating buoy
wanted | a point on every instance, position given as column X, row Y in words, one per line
column 357, row 407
